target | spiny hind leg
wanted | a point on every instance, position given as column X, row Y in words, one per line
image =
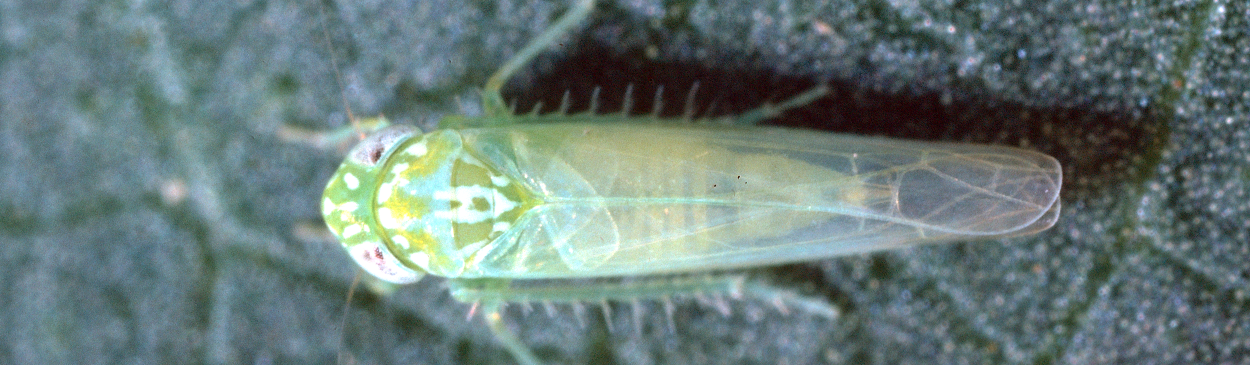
column 494, row 110
column 757, row 115
column 492, row 294
column 493, row 314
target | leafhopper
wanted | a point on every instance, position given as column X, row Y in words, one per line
column 487, row 200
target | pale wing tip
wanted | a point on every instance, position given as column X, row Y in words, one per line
column 982, row 191
column 1042, row 223
column 1050, row 178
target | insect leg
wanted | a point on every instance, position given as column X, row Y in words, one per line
column 593, row 290
column 494, row 319
column 754, row 116
column 492, row 294
column 340, row 138
column 493, row 106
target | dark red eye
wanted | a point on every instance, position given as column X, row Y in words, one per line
column 375, row 154
column 370, row 151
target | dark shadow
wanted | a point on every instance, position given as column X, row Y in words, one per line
column 1096, row 147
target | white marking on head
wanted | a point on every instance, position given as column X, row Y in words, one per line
column 500, row 181
column 327, row 206
column 349, row 206
column 501, row 226
column 380, row 263
column 350, row 181
column 351, row 230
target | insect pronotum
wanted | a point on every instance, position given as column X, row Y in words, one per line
column 501, row 197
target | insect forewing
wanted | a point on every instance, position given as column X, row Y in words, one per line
column 630, row 199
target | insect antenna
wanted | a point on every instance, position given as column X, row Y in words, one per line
column 338, row 75
column 351, row 291
column 343, row 356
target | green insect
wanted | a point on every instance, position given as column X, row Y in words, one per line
column 541, row 198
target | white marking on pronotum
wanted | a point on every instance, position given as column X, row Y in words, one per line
column 387, row 219
column 401, row 241
column 420, row 258
column 384, row 192
column 417, row 149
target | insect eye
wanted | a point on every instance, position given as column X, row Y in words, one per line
column 369, row 154
column 371, row 150
column 375, row 154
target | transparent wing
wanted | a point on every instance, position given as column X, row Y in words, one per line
column 628, row 200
